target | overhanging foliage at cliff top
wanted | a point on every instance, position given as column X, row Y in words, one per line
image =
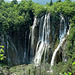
column 15, row 15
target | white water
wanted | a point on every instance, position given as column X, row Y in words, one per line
column 62, row 39
column 62, row 34
column 63, row 27
column 56, row 50
column 33, row 27
column 33, row 37
column 43, row 42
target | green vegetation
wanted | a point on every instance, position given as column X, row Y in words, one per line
column 2, row 53
column 68, row 67
column 14, row 2
column 51, row 2
column 14, row 16
column 58, row 1
column 26, row 70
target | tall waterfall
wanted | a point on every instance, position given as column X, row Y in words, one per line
column 37, row 42
column 63, row 27
column 56, row 50
column 62, row 37
column 43, row 41
column 33, row 27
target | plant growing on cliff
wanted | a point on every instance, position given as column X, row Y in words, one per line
column 2, row 53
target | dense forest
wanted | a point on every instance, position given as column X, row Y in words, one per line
column 18, row 17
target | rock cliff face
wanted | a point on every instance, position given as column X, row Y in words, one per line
column 16, row 46
column 36, row 43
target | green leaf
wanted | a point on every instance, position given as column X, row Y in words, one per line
column 69, row 73
column 1, row 55
column 1, row 58
column 73, row 63
column 2, row 46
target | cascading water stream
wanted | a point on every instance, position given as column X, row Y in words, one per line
column 33, row 27
column 40, row 33
column 62, row 39
column 39, row 43
column 56, row 50
column 63, row 27
column 33, row 37
column 43, row 42
column 62, row 34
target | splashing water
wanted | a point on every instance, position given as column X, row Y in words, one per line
column 43, row 42
column 63, row 28
column 56, row 50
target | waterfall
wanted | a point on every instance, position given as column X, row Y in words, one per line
column 33, row 37
column 37, row 46
column 43, row 41
column 62, row 33
column 33, row 27
column 56, row 50
column 62, row 39
column 63, row 27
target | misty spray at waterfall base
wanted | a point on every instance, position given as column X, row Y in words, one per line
column 37, row 43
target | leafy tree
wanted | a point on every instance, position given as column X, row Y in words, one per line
column 14, row 2
column 58, row 1
column 1, row 1
column 38, row 9
column 68, row 0
column 50, row 3
column 5, row 14
column 23, row 0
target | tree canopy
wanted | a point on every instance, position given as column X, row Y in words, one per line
column 14, row 2
column 58, row 1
